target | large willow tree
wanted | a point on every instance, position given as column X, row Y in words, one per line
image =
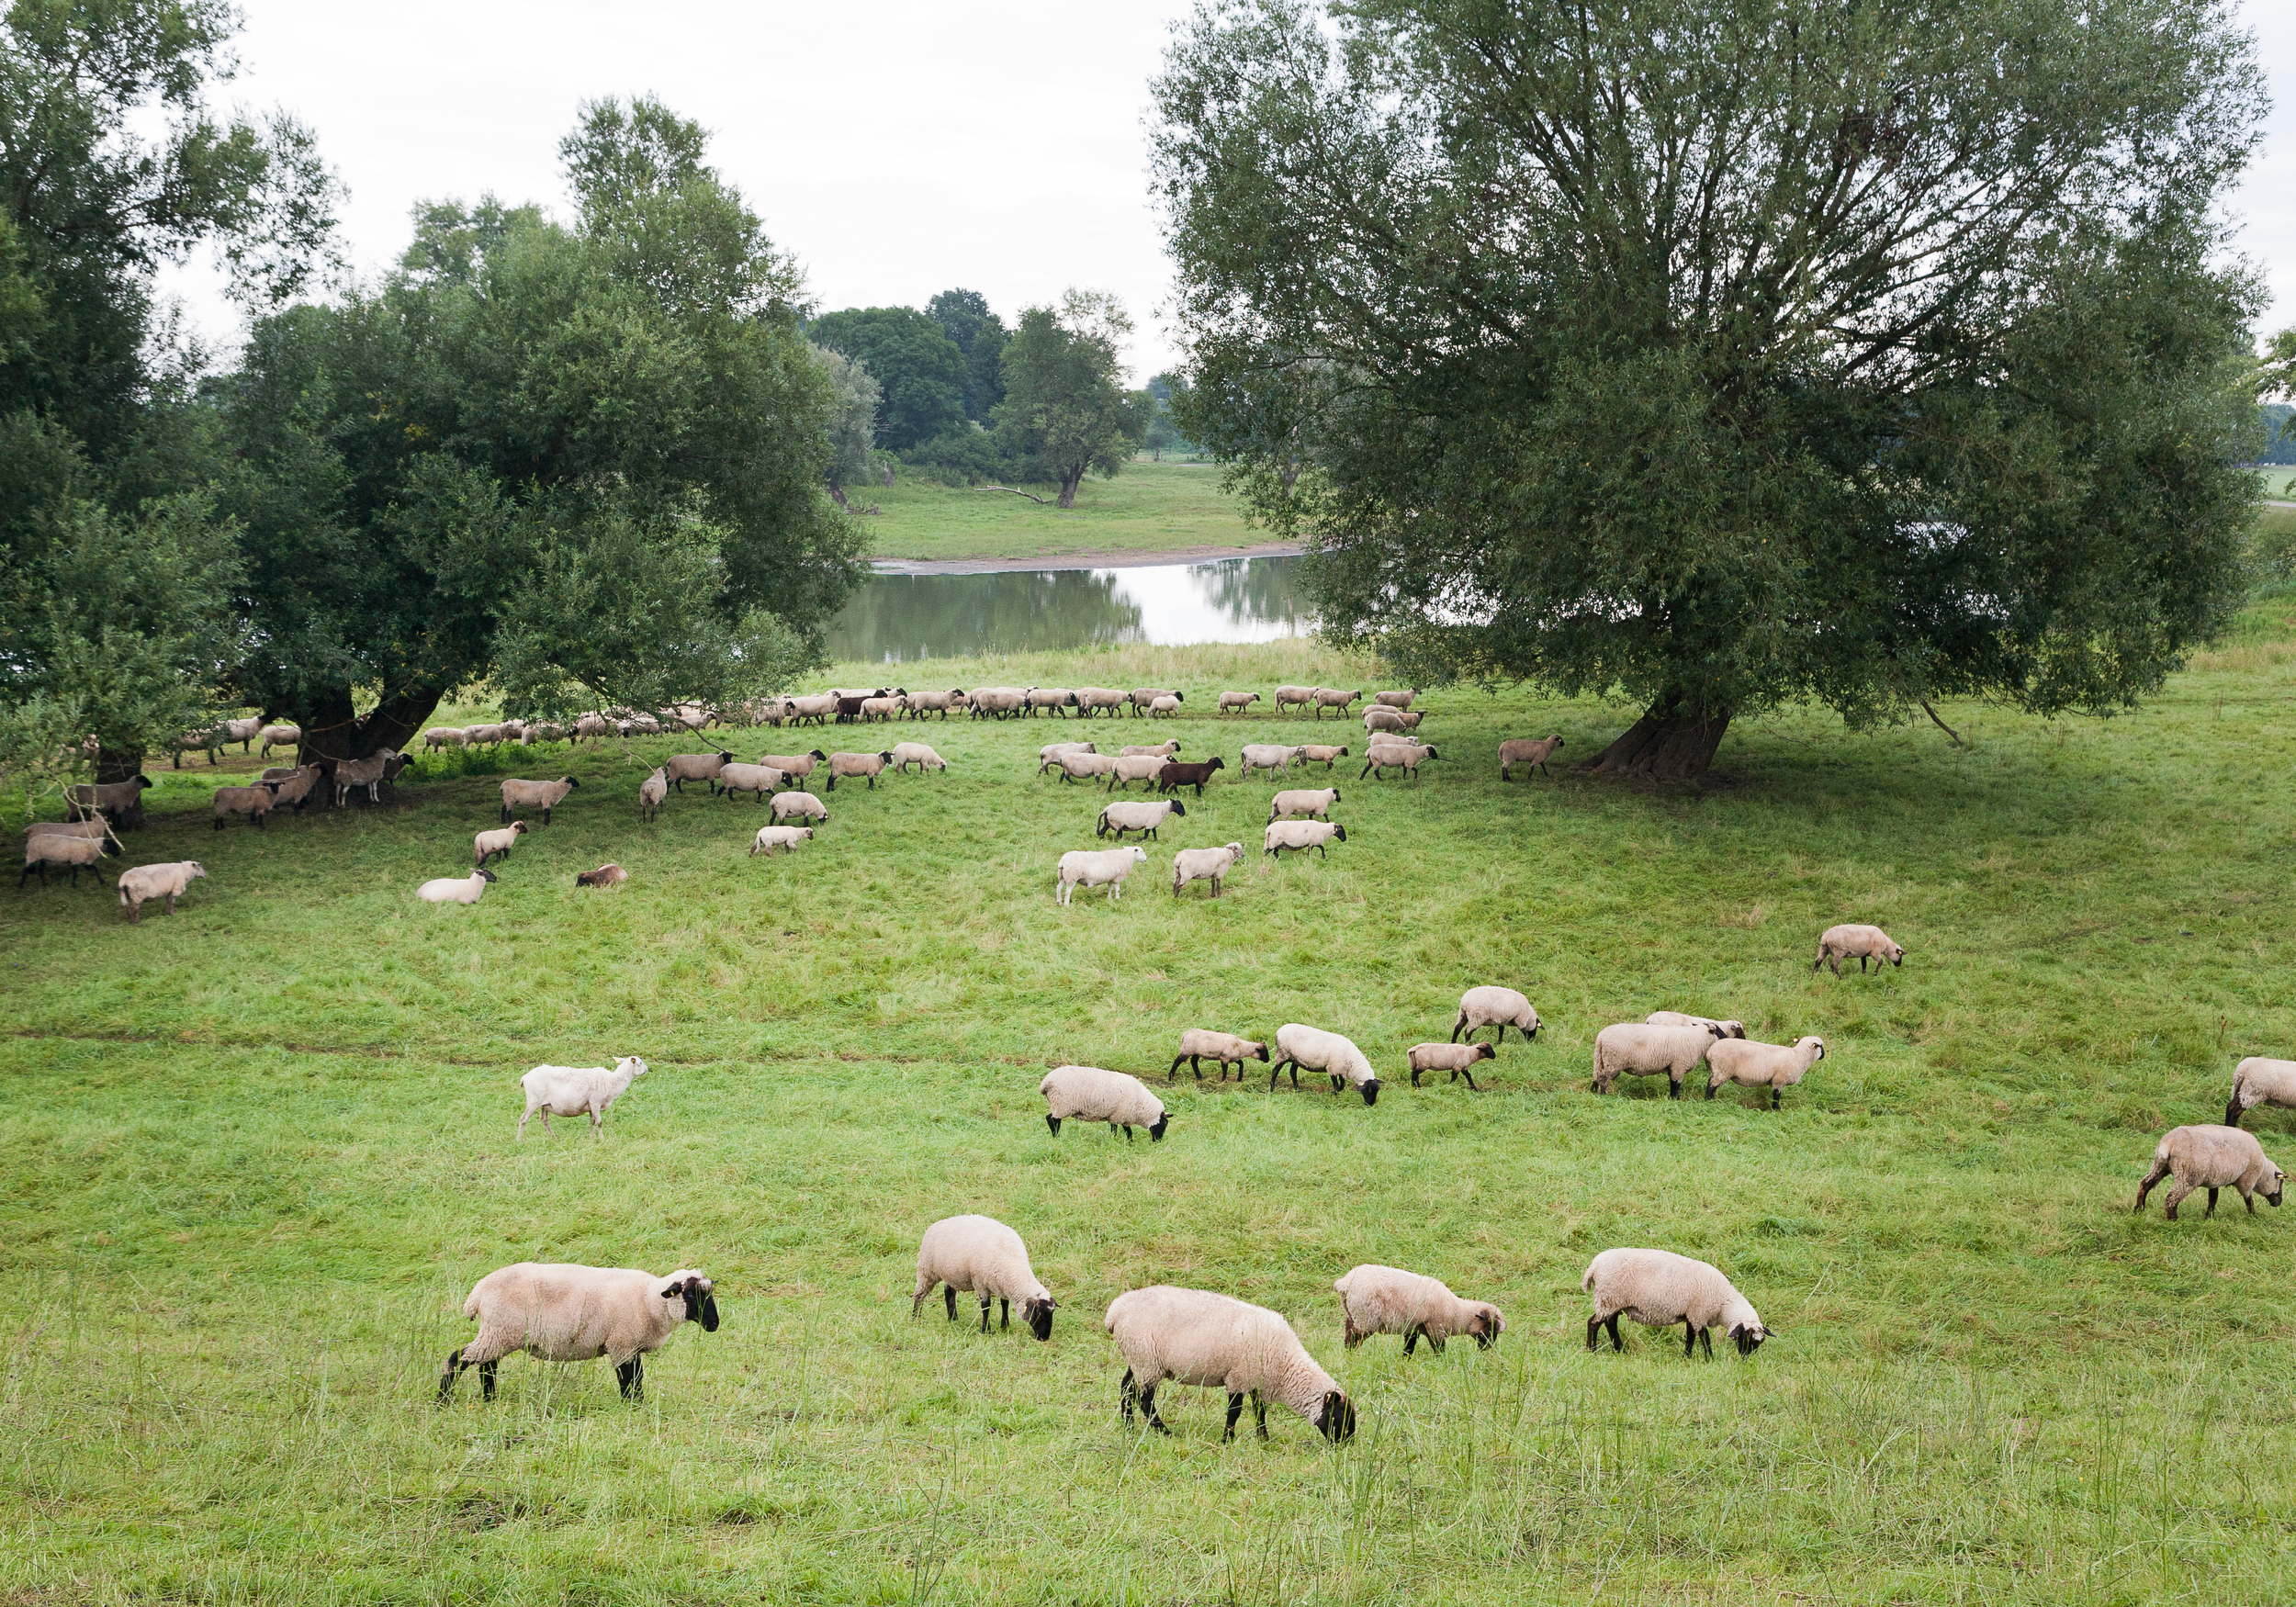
column 1724, row 352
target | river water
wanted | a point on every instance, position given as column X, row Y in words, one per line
column 899, row 619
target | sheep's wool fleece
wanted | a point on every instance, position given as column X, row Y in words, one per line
column 1387, row 1299
column 1096, row 1094
column 1193, row 1336
column 568, row 1313
column 979, row 1255
column 1657, row 1287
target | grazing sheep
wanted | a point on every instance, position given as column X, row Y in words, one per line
column 44, row 848
column 293, row 789
column 281, row 735
column 255, row 803
column 2213, row 1158
column 1529, row 754
column 981, row 1256
column 906, row 754
column 487, row 736
column 542, row 795
column 1096, row 1094
column 543, row 732
column 1749, row 1064
column 1395, row 699
column 788, row 806
column 1322, row 753
column 141, row 882
column 1085, row 767
column 1288, row 697
column 1323, row 1051
column 1199, row 1044
column 1458, row 1059
column 488, row 844
column 1387, row 1299
column 1639, row 1051
column 1176, row 775
column 1098, row 868
column 1269, row 756
column 1141, row 750
column 1379, row 721
column 1302, row 834
column 1333, row 698
column 1098, row 700
column 1238, row 701
column 1495, row 1007
column 1658, row 1288
column 1862, row 943
column 2257, row 1080
column 785, row 838
column 922, row 703
column 1136, row 767
column 796, row 767
column 865, row 766
column 1395, row 756
column 1676, row 1018
column 1193, row 1336
column 368, row 775
column 568, row 1313
column 1203, row 865
column 758, row 780
column 122, row 803
column 652, row 793
column 1049, row 697
column 571, row 1090
column 1052, row 753
column 1144, row 699
column 681, row 768
column 1142, row 817
column 456, row 889
column 1304, row 801
column 1166, row 707
column 242, row 732
column 439, row 737
column 606, row 875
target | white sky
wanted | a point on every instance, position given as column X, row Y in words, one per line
column 898, row 147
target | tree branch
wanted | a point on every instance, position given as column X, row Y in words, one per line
column 1031, row 495
column 1941, row 725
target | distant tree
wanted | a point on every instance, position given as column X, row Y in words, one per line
column 918, row 367
column 1160, row 430
column 853, row 423
column 964, row 317
column 1063, row 411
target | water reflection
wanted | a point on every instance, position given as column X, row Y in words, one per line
column 900, row 618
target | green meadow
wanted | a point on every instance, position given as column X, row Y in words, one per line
column 256, row 1152
column 1149, row 508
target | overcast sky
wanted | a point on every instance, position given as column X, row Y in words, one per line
column 897, row 149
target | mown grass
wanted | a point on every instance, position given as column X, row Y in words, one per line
column 1149, row 508
column 256, row 1152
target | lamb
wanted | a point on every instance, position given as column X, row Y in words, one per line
column 1238, row 701
column 1658, row 1289
column 783, row 839
column 1098, row 868
column 295, row 788
column 1676, row 1018
column 1633, row 1049
column 922, row 703
column 1050, row 754
column 2257, row 1080
column 255, row 803
column 881, row 708
column 1331, row 698
column 1294, row 697
column 568, row 1313
column 1203, row 865
column 1095, row 1094
column 1395, row 699
column 1458, row 1059
column 1381, row 719
column 1098, row 700
column 1199, row 1044
column 280, row 736
column 1322, row 753
column 1387, row 1299
column 456, row 889
column 542, row 795
column 1268, row 756
column 1049, row 697
column 122, row 803
column 488, row 844
column 44, row 848
column 1175, row 774
column 681, row 768
column 759, row 779
column 652, row 793
column 1323, row 1051
column 1304, row 801
column 1142, row 817
column 571, row 1090
column 1862, row 943
column 981, row 1256
column 2213, row 1158
column 606, row 875
column 865, row 766
column 1142, row 750
column 906, row 754
column 1495, row 1007
column 1383, row 757
column 1193, row 1336
column 790, row 806
column 1762, row 1065
column 795, row 766
column 1136, row 767
column 1302, row 834
column 368, row 775
column 1144, row 699
column 1168, row 705
column 1529, row 754
column 141, row 882
column 1085, row 767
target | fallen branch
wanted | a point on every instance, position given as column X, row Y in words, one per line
column 1031, row 495
column 1941, row 725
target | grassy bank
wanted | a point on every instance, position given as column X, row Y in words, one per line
column 256, row 1154
column 1149, row 508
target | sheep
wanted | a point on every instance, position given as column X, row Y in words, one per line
column 1097, row 868
column 1495, row 1007
column 568, row 1313
column 817, row 708
column 652, row 793
column 788, row 806
column 639, row 725
column 1142, row 817
column 368, row 775
column 866, row 692
column 139, row 883
column 1096, row 1094
column 1676, row 1018
column 542, row 795
column 488, row 844
column 1085, row 767
column 681, row 768
column 44, row 848
column 1529, row 754
column 1658, row 1288
column 785, row 838
column 1268, row 756
column 295, row 788
column 1193, row 1336
column 1395, row 699
column 1167, row 706
column 1049, row 697
column 1323, row 1051
column 1144, row 699
column 1050, row 754
column 1302, row 835
column 281, row 735
column 1458, row 1059
column 1238, row 701
column 997, row 702
column 456, row 889
column 1294, row 696
column 1142, row 750
column 606, row 875
column 758, row 780
column 545, row 732
column 865, row 766
column 242, row 731
column 1098, row 700
column 95, row 826
column 489, row 736
column 2213, row 1158
column 796, row 767
column 1750, row 1065
column 1136, row 767
column 922, row 703
column 1635, row 1050
column 1203, row 865
column 1387, row 1299
column 1199, row 1044
column 1840, row 943
column 571, row 1090
column 122, row 803
column 1304, row 801
column 1322, row 753
column 1175, row 774
column 1381, row 719
column 875, row 709
column 906, row 754
column 255, row 803
column 981, row 1256
column 1333, row 698
column 597, row 727
column 2257, row 1080
column 1395, row 756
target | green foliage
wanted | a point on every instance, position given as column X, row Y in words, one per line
column 1152, row 404
column 920, row 368
column 853, row 420
column 1064, row 413
column 964, row 457
column 964, row 318
column 2278, row 422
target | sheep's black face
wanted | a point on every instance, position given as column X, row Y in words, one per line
column 1340, row 832
column 1263, row 1052
column 2279, row 1182
column 1038, row 1314
column 1484, row 1052
column 1178, row 807
column 1748, row 1339
column 1371, row 1092
column 1338, row 1421
column 1162, row 1121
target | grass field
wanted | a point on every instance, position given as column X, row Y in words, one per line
column 2279, row 482
column 256, row 1152
column 1149, row 508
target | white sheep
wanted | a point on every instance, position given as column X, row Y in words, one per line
column 1098, row 700
column 1387, row 1299
column 681, row 768
column 1322, row 753
column 906, row 754
column 1199, row 1044
column 757, row 779
column 1395, row 699
column 1136, row 767
column 1269, row 756
column 922, row 703
column 788, row 806
column 1142, row 750
column 280, row 736
column 1098, row 868
column 1144, row 699
column 439, row 737
column 1319, row 1050
column 1861, row 943
column 779, row 839
column 1203, row 865
column 1144, row 816
column 568, row 1313
column 1194, row 1337
column 1085, row 767
column 1288, row 697
column 1383, row 720
column 883, row 708
column 981, row 1256
column 1050, row 754
column 1301, row 834
column 1328, row 697
column 1168, row 705
column 2257, row 1080
column 1049, row 697
column 44, row 848
column 1458, row 1059
column 139, row 883
column 1676, row 1018
column 1749, row 1064
column 652, row 793
column 852, row 766
column 571, row 1090
column 542, row 795
column 1304, row 800
column 1386, row 755
column 294, row 788
column 1495, row 1007
column 2213, row 1158
column 1637, row 1049
column 1528, row 754
column 795, row 767
column 1238, row 701
column 456, row 889
column 488, row 844
column 1096, row 1094
column 1658, row 1288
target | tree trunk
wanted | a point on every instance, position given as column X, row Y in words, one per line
column 1672, row 743
column 331, row 730
column 837, row 495
column 1068, row 487
column 117, row 764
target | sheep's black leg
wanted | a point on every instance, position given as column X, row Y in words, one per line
column 1709, row 1090
column 2250, row 1200
column 631, row 1376
column 1295, row 1073
column 1593, row 1327
column 2211, row 1210
column 1673, row 1087
column 1774, row 1099
column 2159, row 1171
column 446, row 1375
column 1705, row 1341
column 1236, row 1410
column 1054, row 1123
column 1125, row 1390
column 1415, row 1076
column 1148, row 1405
column 1411, row 1340
column 1259, row 1412
column 1006, row 1323
column 1616, row 1343
column 1470, row 1082
column 1196, row 1065
column 986, row 1302
column 486, row 1379
column 949, row 1296
column 1690, row 1339
column 1273, row 1073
